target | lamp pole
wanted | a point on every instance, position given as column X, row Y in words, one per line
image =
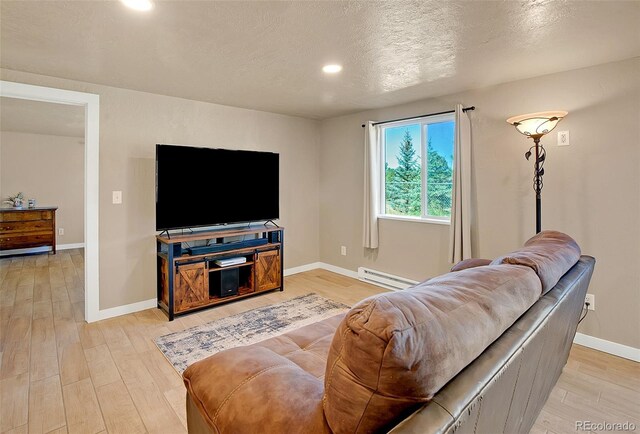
column 540, row 155
column 537, row 182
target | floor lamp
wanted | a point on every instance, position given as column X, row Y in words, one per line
column 534, row 126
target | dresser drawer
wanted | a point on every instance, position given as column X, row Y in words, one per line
column 7, row 228
column 20, row 216
column 25, row 241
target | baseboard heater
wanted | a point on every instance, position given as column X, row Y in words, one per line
column 385, row 280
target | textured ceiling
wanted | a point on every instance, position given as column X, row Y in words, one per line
column 24, row 116
column 268, row 55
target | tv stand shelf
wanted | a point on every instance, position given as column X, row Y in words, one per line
column 187, row 283
column 214, row 268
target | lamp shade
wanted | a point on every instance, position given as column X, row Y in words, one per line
column 537, row 124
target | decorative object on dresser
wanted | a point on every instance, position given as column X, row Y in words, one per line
column 28, row 228
column 189, row 278
column 15, row 201
column 534, row 126
column 196, row 343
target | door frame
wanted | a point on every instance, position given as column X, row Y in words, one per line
column 91, row 104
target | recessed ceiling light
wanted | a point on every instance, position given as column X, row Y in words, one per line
column 332, row 69
column 139, row 5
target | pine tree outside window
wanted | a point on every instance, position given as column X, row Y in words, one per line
column 417, row 176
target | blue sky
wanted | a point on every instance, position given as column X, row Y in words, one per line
column 441, row 135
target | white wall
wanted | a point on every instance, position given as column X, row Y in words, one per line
column 49, row 169
column 131, row 123
column 591, row 188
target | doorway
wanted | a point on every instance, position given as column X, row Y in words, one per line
column 91, row 105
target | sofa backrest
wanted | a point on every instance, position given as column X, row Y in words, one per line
column 505, row 388
column 550, row 254
column 394, row 351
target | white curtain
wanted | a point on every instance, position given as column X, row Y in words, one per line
column 460, row 235
column 372, row 168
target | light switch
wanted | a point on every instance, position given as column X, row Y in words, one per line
column 117, row 197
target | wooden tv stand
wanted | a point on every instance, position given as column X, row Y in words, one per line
column 190, row 282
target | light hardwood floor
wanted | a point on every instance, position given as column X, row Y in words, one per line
column 59, row 374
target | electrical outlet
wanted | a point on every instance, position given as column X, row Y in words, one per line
column 563, row 138
column 60, row 231
column 591, row 299
column 343, row 250
column 117, row 197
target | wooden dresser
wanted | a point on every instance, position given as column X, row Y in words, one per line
column 27, row 228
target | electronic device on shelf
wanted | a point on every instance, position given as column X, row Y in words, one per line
column 225, row 283
column 228, row 262
column 223, row 247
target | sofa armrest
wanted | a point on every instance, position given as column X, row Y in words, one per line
column 470, row 263
column 253, row 389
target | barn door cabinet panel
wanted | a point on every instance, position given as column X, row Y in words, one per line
column 189, row 277
column 191, row 286
column 268, row 274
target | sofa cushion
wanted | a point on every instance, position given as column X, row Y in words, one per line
column 470, row 263
column 394, row 351
column 550, row 254
column 252, row 389
column 307, row 346
column 278, row 380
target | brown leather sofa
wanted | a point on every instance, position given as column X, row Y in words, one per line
column 475, row 350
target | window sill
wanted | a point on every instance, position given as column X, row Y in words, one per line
column 415, row 219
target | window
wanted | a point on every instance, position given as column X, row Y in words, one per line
column 417, row 176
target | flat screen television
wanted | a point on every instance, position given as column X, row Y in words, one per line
column 198, row 187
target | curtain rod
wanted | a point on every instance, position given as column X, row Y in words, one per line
column 421, row 116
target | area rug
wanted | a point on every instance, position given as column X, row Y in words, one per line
column 196, row 343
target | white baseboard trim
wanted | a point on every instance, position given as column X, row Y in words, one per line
column 70, row 246
column 339, row 270
column 127, row 308
column 605, row 346
column 302, row 268
column 323, row 266
column 41, row 249
column 25, row 251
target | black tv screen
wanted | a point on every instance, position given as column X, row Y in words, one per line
column 205, row 187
